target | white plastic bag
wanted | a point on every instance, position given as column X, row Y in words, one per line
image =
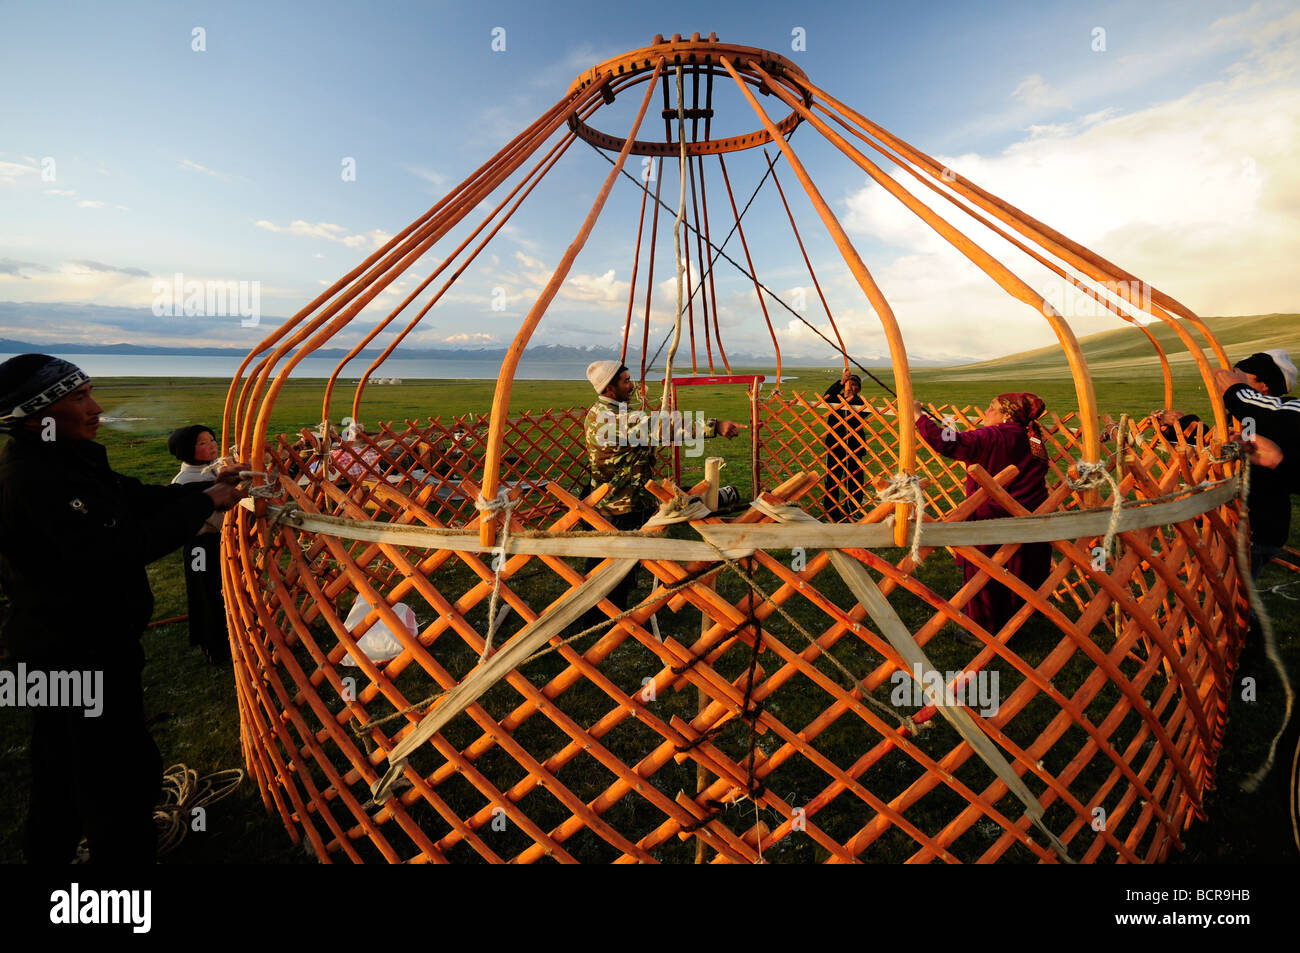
column 378, row 643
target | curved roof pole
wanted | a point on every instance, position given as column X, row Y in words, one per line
column 550, row 159
column 1005, row 278
column 340, row 312
column 1088, row 262
column 699, row 253
column 631, row 291
column 666, row 400
column 240, row 413
column 650, row 276
column 534, row 176
column 501, row 396
column 1017, row 243
column 844, row 352
column 704, row 201
column 897, row 350
column 758, row 290
column 368, row 288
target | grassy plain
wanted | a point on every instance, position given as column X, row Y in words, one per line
column 193, row 704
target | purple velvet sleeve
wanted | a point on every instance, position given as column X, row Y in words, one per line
column 965, row 445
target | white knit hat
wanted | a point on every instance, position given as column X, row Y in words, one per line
column 1284, row 364
column 602, row 374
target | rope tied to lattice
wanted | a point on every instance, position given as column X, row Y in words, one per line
column 680, row 509
column 488, row 510
column 289, row 515
column 906, row 488
column 1227, row 453
column 1093, row 476
column 272, row 489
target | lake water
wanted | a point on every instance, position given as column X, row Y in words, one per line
column 180, row 365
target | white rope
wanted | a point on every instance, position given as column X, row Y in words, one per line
column 680, row 509
column 677, row 246
column 1252, row 783
column 906, row 488
column 502, row 504
column 183, row 791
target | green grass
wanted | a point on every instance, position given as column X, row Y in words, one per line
column 1127, row 351
column 194, row 703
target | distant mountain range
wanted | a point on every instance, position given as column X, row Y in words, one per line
column 552, row 353
column 100, row 321
column 1120, row 351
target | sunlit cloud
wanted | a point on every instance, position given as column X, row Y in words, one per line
column 328, row 231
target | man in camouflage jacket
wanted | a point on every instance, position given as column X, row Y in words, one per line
column 621, row 448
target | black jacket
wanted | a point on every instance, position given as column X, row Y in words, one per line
column 1278, row 419
column 75, row 538
column 844, row 442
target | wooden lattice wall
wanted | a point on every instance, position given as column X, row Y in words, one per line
column 1113, row 680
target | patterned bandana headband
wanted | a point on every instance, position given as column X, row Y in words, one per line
column 52, row 379
column 1025, row 409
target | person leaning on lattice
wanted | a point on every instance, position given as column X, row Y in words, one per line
column 1173, row 422
column 621, row 449
column 1255, row 393
column 1010, row 436
column 845, row 477
column 75, row 538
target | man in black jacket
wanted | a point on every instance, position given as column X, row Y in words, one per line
column 845, row 477
column 1255, row 392
column 75, row 538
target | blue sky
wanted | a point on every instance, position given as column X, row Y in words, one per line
column 1168, row 151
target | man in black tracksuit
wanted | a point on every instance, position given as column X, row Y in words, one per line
column 1255, row 392
column 75, row 538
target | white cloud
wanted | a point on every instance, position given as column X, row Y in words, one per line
column 436, row 179
column 558, row 74
column 1196, row 196
column 191, row 166
column 469, row 338
column 1253, row 33
column 535, row 272
column 90, row 203
column 1034, row 91
column 85, row 281
column 12, row 173
column 328, row 231
column 601, row 289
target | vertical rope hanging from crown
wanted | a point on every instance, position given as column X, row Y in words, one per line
column 677, row 245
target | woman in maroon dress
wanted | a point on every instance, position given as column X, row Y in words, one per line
column 1010, row 435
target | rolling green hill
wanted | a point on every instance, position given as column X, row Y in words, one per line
column 1120, row 352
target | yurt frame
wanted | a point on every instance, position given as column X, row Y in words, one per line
column 529, row 737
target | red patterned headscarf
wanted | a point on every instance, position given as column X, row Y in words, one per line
column 1025, row 409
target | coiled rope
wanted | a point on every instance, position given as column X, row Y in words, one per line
column 183, row 793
